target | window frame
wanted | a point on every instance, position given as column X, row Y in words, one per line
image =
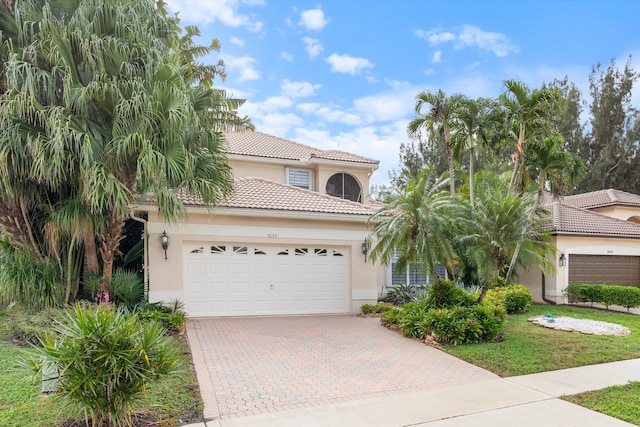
column 309, row 172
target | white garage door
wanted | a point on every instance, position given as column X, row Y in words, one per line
column 242, row 279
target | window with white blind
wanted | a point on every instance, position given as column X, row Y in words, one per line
column 299, row 178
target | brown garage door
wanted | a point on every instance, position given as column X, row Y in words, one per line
column 609, row 269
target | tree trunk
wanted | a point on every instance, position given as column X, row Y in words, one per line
column 91, row 265
column 109, row 244
column 452, row 170
column 471, row 170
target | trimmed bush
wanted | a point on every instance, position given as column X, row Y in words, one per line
column 624, row 296
column 448, row 295
column 377, row 309
column 391, row 318
column 367, row 309
column 514, row 298
column 412, row 314
column 465, row 325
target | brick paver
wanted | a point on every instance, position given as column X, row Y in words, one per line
column 249, row 366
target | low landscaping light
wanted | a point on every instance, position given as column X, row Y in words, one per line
column 562, row 260
column 164, row 241
column 365, row 248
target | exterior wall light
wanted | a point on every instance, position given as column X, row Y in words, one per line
column 562, row 260
column 365, row 248
column 164, row 241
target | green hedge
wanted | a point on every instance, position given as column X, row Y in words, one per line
column 623, row 296
column 515, row 299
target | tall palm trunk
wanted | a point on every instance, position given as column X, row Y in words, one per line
column 91, row 265
column 519, row 158
column 472, row 156
column 452, row 170
column 110, row 243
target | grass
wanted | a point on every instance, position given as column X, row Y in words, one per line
column 529, row 348
column 622, row 402
column 172, row 401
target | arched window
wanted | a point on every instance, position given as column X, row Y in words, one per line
column 344, row 186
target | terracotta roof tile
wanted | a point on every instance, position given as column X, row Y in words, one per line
column 596, row 199
column 258, row 193
column 572, row 219
column 251, row 143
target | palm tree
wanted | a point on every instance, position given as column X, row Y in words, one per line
column 471, row 116
column 107, row 103
column 529, row 113
column 438, row 118
column 414, row 225
column 553, row 166
column 500, row 224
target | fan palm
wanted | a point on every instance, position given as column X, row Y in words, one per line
column 414, row 225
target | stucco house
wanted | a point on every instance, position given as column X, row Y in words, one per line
column 289, row 240
column 597, row 237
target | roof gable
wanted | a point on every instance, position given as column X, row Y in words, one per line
column 258, row 193
column 258, row 144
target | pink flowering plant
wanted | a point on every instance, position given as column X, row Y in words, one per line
column 102, row 295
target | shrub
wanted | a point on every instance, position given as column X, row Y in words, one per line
column 104, row 358
column 28, row 282
column 411, row 315
column 367, row 309
column 465, row 325
column 128, row 288
column 171, row 317
column 514, row 298
column 400, row 295
column 624, row 296
column 390, row 318
column 448, row 295
column 378, row 308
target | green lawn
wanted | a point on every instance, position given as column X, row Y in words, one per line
column 528, row 348
column 173, row 401
column 622, row 402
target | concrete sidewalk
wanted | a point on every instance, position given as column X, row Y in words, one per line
column 528, row 400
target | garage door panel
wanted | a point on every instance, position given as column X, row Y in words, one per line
column 608, row 269
column 246, row 279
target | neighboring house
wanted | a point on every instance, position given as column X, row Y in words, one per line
column 289, row 240
column 597, row 237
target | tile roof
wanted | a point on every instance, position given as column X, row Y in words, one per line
column 259, row 193
column 596, row 199
column 251, row 143
column 567, row 219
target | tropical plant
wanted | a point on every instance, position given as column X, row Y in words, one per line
column 471, row 117
column 515, row 299
column 529, row 115
column 103, row 100
column 414, row 225
column 437, row 120
column 501, row 223
column 555, row 169
column 104, row 358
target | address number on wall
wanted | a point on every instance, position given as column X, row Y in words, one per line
column 272, row 235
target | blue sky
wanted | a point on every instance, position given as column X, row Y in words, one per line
column 344, row 74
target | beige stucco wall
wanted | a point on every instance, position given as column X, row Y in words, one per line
column 621, row 212
column 556, row 281
column 166, row 276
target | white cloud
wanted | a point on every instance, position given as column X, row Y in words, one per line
column 313, row 19
column 275, row 103
column 313, row 46
column 348, row 64
column 237, row 41
column 388, row 106
column 497, row 43
column 437, row 57
column 470, row 36
column 328, row 114
column 287, row 56
column 278, row 124
column 243, row 67
column 224, row 11
column 299, row 89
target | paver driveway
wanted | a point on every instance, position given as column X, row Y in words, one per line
column 249, row 366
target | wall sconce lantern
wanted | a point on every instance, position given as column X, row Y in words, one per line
column 365, row 248
column 563, row 260
column 164, row 241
